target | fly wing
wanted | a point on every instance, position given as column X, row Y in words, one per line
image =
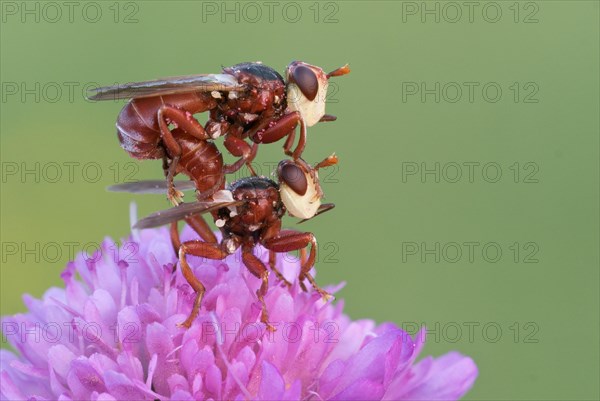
column 150, row 187
column 167, row 86
column 180, row 212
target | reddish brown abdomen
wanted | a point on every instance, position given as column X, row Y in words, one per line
column 202, row 162
column 137, row 128
column 137, row 124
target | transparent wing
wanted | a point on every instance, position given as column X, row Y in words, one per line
column 167, row 86
column 180, row 212
column 325, row 207
column 150, row 187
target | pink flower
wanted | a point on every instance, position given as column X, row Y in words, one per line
column 112, row 334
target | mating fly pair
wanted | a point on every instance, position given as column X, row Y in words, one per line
column 248, row 100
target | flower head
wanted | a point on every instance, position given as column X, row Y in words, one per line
column 112, row 334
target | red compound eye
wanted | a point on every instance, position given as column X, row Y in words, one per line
column 294, row 177
column 306, row 80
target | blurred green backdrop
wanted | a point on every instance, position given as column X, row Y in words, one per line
column 442, row 98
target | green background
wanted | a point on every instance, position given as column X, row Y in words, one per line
column 553, row 302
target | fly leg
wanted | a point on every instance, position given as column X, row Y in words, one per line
column 301, row 142
column 273, row 266
column 202, row 249
column 288, row 241
column 297, row 153
column 303, row 258
column 283, row 127
column 199, row 225
column 258, row 269
column 185, row 121
column 240, row 148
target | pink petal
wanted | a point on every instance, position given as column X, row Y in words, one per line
column 120, row 387
column 363, row 389
column 59, row 359
column 272, row 385
column 449, row 377
column 83, row 379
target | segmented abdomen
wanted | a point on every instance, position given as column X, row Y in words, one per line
column 202, row 162
column 137, row 128
column 139, row 134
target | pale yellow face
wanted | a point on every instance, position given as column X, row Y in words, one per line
column 311, row 110
column 301, row 206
